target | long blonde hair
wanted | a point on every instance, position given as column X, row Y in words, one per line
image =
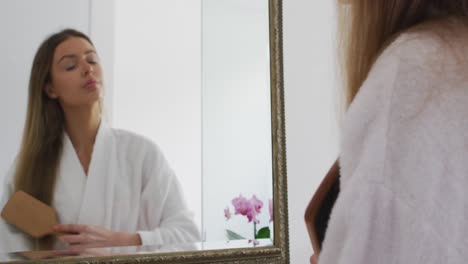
column 366, row 27
column 39, row 156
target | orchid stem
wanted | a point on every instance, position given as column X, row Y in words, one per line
column 255, row 230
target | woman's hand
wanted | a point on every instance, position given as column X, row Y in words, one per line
column 313, row 259
column 87, row 236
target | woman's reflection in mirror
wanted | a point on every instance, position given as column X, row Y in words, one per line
column 109, row 187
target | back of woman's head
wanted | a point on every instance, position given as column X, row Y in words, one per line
column 368, row 26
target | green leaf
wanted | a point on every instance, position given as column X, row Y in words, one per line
column 233, row 235
column 263, row 233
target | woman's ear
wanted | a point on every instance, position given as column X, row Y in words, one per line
column 48, row 89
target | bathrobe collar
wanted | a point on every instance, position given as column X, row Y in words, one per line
column 96, row 202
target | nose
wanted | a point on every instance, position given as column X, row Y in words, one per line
column 87, row 68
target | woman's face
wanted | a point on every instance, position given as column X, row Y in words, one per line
column 76, row 74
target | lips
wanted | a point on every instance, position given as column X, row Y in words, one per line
column 90, row 84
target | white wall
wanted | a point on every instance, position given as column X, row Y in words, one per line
column 102, row 28
column 236, row 112
column 157, row 82
column 24, row 24
column 311, row 116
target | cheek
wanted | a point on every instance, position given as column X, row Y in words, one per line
column 98, row 70
column 65, row 83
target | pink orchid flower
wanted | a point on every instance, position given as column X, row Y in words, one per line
column 255, row 242
column 250, row 208
column 227, row 213
column 270, row 208
column 256, row 204
column 241, row 205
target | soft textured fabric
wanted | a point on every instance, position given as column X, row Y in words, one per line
column 404, row 160
column 129, row 188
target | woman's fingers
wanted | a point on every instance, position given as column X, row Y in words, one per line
column 88, row 236
column 313, row 259
column 73, row 239
column 72, row 228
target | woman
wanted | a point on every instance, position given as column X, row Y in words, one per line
column 404, row 151
column 109, row 187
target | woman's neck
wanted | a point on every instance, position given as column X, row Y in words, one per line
column 81, row 125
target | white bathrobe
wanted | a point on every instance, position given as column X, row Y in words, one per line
column 129, row 188
column 404, row 160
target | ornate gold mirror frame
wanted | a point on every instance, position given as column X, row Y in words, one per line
column 279, row 251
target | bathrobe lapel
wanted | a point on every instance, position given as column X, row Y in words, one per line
column 98, row 193
column 70, row 185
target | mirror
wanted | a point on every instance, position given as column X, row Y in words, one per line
column 203, row 80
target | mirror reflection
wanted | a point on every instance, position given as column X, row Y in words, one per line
column 148, row 125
